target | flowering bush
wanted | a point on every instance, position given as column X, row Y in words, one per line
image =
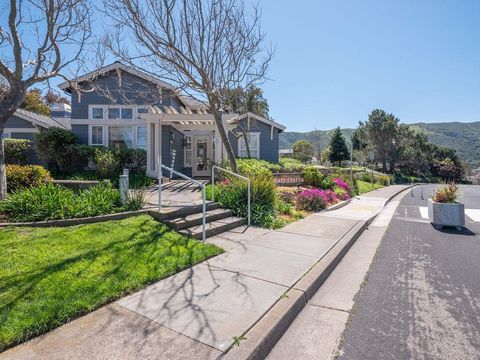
column 341, row 193
column 312, row 200
column 343, row 185
column 331, row 196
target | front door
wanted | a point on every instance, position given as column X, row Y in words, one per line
column 202, row 153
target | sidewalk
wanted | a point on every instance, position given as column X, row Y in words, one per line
column 200, row 312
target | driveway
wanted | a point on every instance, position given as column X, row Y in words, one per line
column 422, row 296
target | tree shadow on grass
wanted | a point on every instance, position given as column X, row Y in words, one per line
column 181, row 250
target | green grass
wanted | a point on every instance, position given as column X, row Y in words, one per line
column 49, row 276
column 364, row 187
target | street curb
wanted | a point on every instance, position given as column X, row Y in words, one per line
column 267, row 331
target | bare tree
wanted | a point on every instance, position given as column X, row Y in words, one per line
column 203, row 47
column 33, row 48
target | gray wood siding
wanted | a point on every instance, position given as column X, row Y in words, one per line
column 16, row 122
column 268, row 147
column 81, row 132
column 133, row 91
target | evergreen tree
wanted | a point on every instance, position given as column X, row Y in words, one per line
column 338, row 147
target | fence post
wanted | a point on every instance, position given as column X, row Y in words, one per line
column 123, row 187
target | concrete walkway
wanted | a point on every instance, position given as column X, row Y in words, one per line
column 202, row 311
column 176, row 193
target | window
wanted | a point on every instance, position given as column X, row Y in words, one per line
column 97, row 135
column 113, row 113
column 120, row 136
column 254, row 145
column 97, row 113
column 142, row 110
column 142, row 137
column 126, row 113
column 187, row 151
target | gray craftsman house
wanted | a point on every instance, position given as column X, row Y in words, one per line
column 117, row 106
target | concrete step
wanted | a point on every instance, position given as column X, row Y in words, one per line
column 214, row 228
column 192, row 220
column 169, row 213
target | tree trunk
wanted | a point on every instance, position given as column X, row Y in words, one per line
column 8, row 106
column 223, row 135
column 384, row 166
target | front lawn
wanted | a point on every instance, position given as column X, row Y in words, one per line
column 364, row 187
column 51, row 275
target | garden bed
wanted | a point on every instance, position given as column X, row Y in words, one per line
column 53, row 275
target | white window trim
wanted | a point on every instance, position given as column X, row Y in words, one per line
column 240, row 139
column 105, row 134
column 185, row 152
column 135, row 133
column 90, row 133
column 135, row 113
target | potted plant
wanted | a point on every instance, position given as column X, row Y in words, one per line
column 444, row 209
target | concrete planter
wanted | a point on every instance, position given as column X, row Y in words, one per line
column 446, row 214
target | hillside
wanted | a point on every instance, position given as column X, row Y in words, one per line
column 463, row 137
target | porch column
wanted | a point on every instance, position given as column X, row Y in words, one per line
column 150, row 140
column 158, row 145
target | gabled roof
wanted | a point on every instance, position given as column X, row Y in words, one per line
column 117, row 65
column 259, row 118
column 37, row 119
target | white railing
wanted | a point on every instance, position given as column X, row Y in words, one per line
column 234, row 174
column 183, row 176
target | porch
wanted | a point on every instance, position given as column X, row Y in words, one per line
column 188, row 143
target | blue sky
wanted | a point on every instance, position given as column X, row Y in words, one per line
column 337, row 60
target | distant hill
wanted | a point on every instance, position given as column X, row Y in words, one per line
column 463, row 137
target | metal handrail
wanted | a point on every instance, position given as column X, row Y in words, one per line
column 204, row 207
column 234, row 174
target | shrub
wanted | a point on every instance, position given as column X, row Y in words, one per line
column 254, row 167
column 341, row 194
column 44, row 202
column 233, row 194
column 135, row 200
column 51, row 202
column 291, row 165
column 447, row 193
column 283, row 207
column 327, row 183
column 58, row 146
column 19, row 177
column 139, row 180
column 97, row 200
column 16, row 150
column 367, row 177
column 107, row 164
column 312, row 176
column 312, row 200
column 383, row 180
column 287, row 194
column 342, row 185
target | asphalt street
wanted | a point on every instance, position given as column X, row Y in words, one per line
column 421, row 298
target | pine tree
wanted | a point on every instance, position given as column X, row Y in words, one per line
column 338, row 147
